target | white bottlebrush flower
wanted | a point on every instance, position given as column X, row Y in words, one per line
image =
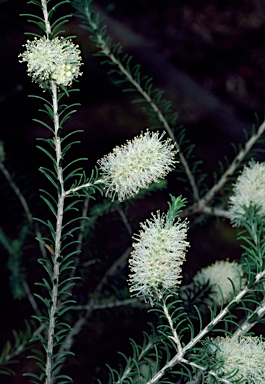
column 243, row 356
column 249, row 189
column 158, row 253
column 58, row 59
column 137, row 164
column 218, row 275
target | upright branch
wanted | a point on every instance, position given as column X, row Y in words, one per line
column 54, row 62
column 57, row 250
column 59, row 221
column 46, row 18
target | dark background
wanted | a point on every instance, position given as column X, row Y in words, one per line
column 208, row 56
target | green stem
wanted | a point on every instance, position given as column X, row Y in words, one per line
column 57, row 248
column 59, row 221
column 180, row 355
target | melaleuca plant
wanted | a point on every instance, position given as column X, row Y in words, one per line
column 203, row 331
column 226, row 289
column 54, row 63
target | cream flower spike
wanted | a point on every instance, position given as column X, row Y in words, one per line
column 137, row 164
column 248, row 189
column 219, row 274
column 244, row 356
column 58, row 59
column 158, row 254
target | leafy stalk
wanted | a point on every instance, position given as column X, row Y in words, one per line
column 57, row 265
column 153, row 98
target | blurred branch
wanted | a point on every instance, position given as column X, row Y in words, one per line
column 201, row 101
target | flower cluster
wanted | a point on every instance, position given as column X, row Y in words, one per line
column 137, row 164
column 242, row 358
column 58, row 60
column 219, row 276
column 249, row 189
column 157, row 256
